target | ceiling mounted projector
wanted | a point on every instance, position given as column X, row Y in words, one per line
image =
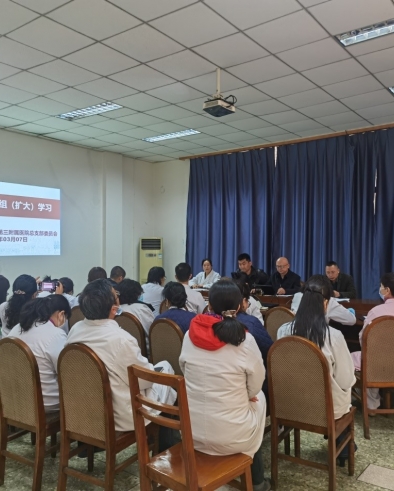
column 218, row 105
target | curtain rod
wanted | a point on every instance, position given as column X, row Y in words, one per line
column 290, row 142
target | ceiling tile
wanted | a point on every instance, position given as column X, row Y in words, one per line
column 150, row 9
column 107, row 89
column 249, row 124
column 20, row 56
column 223, row 146
column 247, row 95
column 108, row 19
column 207, row 83
column 182, row 144
column 13, row 16
column 141, row 145
column 141, row 102
column 117, row 148
column 169, row 113
column 3, row 105
column 162, row 150
column 237, row 116
column 64, row 72
column 183, row 65
column 41, row 6
column 261, row 70
column 89, row 131
column 142, row 119
column 194, row 106
column 335, row 119
column 285, row 117
column 34, row 128
column 307, row 98
column 254, row 142
column 47, row 106
column 285, row 136
column 56, row 124
column 250, row 13
column 387, row 78
column 376, row 98
column 336, row 72
column 90, row 120
column 101, row 59
column 379, row 61
column 115, row 138
column 371, row 46
column 66, row 136
column 157, row 158
column 383, row 120
column 310, row 3
column 325, row 109
column 7, row 71
column 165, row 127
column 143, row 43
column 268, row 131
column 143, row 78
column 314, row 55
column 301, row 126
column 216, row 129
column 174, row 93
column 22, row 114
column 265, row 107
column 237, row 137
column 137, row 153
column 113, row 125
column 119, row 113
column 319, row 131
column 377, row 111
column 139, row 134
column 50, row 37
column 8, row 122
column 75, row 98
column 356, row 86
column 209, row 140
column 14, row 96
column 286, row 85
column 339, row 16
column 177, row 25
column 195, row 122
column 231, row 50
column 92, row 142
column 271, row 34
column 350, row 126
column 37, row 85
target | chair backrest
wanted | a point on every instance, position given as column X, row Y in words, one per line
column 165, row 342
column 275, row 318
column 76, row 316
column 299, row 383
column 133, row 326
column 20, row 387
column 164, row 306
column 85, row 395
column 181, row 423
column 377, row 360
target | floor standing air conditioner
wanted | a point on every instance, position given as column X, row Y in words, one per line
column 151, row 254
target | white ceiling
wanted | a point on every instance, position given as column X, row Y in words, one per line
column 280, row 58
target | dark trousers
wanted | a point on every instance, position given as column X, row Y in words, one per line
column 258, row 466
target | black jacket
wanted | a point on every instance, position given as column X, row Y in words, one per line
column 291, row 282
column 256, row 277
column 344, row 285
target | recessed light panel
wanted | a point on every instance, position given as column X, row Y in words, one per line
column 90, row 111
column 367, row 33
column 169, row 136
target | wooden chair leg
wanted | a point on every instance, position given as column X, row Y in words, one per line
column 351, row 449
column 332, row 467
column 63, row 463
column 3, row 448
column 110, row 470
column 33, row 438
column 274, row 455
column 246, row 480
column 387, row 401
column 90, row 452
column 287, row 444
column 39, row 463
column 365, row 413
column 53, row 445
column 297, row 442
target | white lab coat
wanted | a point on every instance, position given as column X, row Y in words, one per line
column 153, row 294
column 4, row 328
column 254, row 309
column 142, row 312
column 340, row 365
column 195, row 301
column 117, row 349
column 46, row 342
column 335, row 310
column 219, row 385
column 205, row 281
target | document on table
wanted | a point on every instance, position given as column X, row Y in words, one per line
column 342, row 299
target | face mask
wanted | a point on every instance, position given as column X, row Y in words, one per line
column 381, row 296
column 119, row 311
column 141, row 298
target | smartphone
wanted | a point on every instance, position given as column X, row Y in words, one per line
column 47, row 286
column 158, row 369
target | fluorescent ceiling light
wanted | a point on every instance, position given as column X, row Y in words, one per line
column 169, row 136
column 90, row 111
column 391, row 89
column 367, row 33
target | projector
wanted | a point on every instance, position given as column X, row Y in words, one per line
column 218, row 107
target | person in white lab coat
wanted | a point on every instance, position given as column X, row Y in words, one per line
column 116, row 348
column 39, row 328
column 195, row 301
column 207, row 277
column 153, row 288
column 335, row 310
column 224, row 373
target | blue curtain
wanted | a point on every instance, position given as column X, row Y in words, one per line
column 230, row 209
column 312, row 205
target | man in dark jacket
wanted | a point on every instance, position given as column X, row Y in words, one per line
column 251, row 275
column 342, row 284
column 284, row 281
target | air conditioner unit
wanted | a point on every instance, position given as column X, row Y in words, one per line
column 151, row 254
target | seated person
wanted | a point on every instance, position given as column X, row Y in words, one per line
column 224, row 373
column 96, row 273
column 40, row 320
column 117, row 275
column 131, row 299
column 342, row 284
column 310, row 323
column 153, row 288
column 175, row 296
column 249, row 273
column 24, row 289
column 195, row 301
column 335, row 310
column 284, row 281
column 206, row 278
column 4, row 286
column 68, row 291
column 116, row 348
column 386, row 292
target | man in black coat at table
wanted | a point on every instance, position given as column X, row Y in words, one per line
column 342, row 284
column 251, row 275
column 284, row 281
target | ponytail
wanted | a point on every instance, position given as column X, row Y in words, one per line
column 230, row 330
column 24, row 288
column 37, row 311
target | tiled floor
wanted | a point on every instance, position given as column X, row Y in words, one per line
column 379, row 451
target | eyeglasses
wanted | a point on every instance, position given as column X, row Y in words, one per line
column 281, row 266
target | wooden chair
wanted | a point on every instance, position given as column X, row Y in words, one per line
column 164, row 306
column 179, row 468
column 86, row 415
column 377, row 365
column 133, row 326
column 22, row 406
column 76, row 316
column 301, row 398
column 275, row 318
column 165, row 341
